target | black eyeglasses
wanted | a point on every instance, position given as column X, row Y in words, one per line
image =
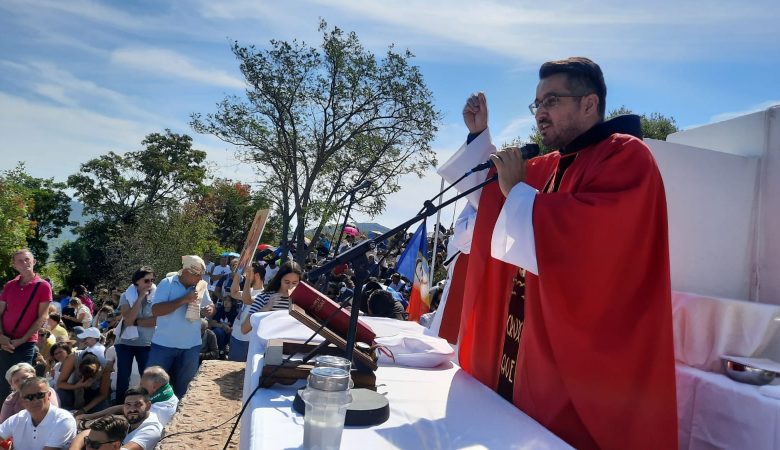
column 36, row 396
column 95, row 444
column 550, row 101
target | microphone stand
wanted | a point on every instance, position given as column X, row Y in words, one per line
column 357, row 256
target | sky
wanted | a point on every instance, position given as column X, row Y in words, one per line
column 80, row 78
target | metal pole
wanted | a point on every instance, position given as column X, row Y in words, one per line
column 436, row 237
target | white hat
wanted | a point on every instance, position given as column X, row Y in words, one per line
column 193, row 263
column 90, row 332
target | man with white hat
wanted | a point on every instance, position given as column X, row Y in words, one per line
column 176, row 341
column 90, row 338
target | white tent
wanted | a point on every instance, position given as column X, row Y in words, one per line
column 723, row 193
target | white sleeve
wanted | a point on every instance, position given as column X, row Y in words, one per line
column 463, row 232
column 513, row 234
column 468, row 156
column 148, row 436
column 206, row 300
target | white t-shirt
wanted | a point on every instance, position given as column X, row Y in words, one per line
column 237, row 333
column 165, row 409
column 218, row 272
column 206, row 276
column 57, row 429
column 111, row 356
column 148, row 434
column 98, row 350
column 269, row 273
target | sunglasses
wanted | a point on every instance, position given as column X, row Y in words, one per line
column 95, row 444
column 36, row 396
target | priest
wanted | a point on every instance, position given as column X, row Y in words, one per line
column 566, row 300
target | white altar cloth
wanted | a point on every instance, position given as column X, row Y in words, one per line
column 717, row 412
column 441, row 408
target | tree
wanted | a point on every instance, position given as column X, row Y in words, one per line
column 232, row 207
column 49, row 211
column 118, row 188
column 159, row 241
column 15, row 225
column 654, row 126
column 317, row 122
column 122, row 191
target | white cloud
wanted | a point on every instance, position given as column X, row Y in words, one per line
column 54, row 140
column 54, row 83
column 93, row 11
column 519, row 127
column 166, row 62
column 755, row 108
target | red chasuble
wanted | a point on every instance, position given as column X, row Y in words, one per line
column 596, row 361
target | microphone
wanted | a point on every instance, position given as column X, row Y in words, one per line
column 528, row 151
column 361, row 186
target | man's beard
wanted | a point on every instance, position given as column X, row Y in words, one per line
column 135, row 418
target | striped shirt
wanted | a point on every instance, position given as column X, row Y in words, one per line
column 262, row 299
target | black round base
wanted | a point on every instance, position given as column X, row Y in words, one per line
column 368, row 408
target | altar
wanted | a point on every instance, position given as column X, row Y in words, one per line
column 430, row 408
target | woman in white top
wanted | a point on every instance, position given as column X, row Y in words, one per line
column 81, row 313
column 239, row 341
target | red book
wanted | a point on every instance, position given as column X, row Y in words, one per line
column 321, row 307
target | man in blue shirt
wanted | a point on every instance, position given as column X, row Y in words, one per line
column 176, row 341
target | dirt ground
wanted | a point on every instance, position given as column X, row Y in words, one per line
column 214, row 396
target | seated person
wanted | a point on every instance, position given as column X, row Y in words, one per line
column 222, row 321
column 84, row 371
column 55, row 327
column 40, row 425
column 145, row 430
column 208, row 346
column 382, row 304
column 105, row 433
column 58, row 353
column 164, row 401
column 145, row 427
column 90, row 339
column 16, row 376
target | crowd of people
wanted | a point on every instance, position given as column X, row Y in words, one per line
column 110, row 368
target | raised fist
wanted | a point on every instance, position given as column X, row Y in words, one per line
column 475, row 113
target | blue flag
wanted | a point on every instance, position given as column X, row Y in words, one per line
column 418, row 244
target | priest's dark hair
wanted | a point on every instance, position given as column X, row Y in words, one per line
column 583, row 77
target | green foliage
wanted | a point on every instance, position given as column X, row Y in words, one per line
column 318, row 121
column 15, row 226
column 654, row 126
column 159, row 241
column 232, row 207
column 119, row 188
column 128, row 192
column 49, row 213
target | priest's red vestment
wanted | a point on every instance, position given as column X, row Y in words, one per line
column 596, row 362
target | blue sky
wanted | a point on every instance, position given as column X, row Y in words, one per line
column 79, row 78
